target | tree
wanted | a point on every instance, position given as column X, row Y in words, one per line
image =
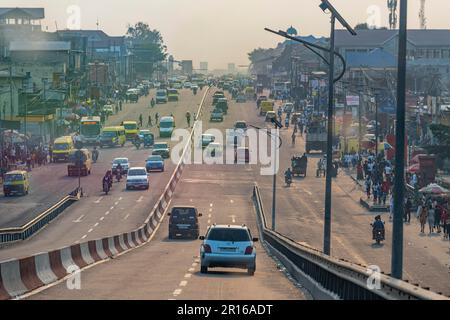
column 442, row 134
column 147, row 46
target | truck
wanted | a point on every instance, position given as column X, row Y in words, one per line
column 316, row 136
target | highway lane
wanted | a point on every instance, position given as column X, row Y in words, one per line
column 169, row 269
column 97, row 215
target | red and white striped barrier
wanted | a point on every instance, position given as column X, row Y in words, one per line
column 20, row 276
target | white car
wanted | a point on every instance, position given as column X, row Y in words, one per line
column 228, row 246
column 124, row 163
column 137, row 178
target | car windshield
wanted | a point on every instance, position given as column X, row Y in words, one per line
column 130, row 126
column 121, row 161
column 137, row 172
column 160, row 146
column 228, row 234
column 154, row 158
column 166, row 124
column 13, row 177
column 173, row 92
column 161, row 93
column 109, row 134
column 61, row 146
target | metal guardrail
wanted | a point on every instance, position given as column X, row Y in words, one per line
column 343, row 278
column 8, row 235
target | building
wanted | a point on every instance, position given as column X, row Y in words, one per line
column 19, row 23
column 187, row 67
column 231, row 68
column 9, row 92
column 204, row 67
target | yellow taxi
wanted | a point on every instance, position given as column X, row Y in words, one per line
column 16, row 182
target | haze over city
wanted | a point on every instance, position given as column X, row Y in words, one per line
column 216, row 28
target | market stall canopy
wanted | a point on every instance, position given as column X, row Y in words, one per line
column 435, row 189
column 414, row 168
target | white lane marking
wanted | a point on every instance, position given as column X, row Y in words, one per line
column 183, row 283
column 233, row 218
column 77, row 242
column 126, row 217
column 111, row 208
column 107, row 212
column 116, row 203
column 194, row 264
column 98, row 200
column 209, row 215
column 140, row 199
column 308, row 192
column 191, row 269
column 190, row 200
column 120, row 198
column 210, row 204
column 177, row 292
column 90, row 230
column 79, row 219
column 209, row 222
column 101, row 218
column 84, row 236
column 95, row 224
column 210, row 210
column 187, row 275
column 232, row 201
column 316, row 201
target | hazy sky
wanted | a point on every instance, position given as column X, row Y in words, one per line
column 222, row 31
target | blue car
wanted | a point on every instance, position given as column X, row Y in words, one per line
column 155, row 163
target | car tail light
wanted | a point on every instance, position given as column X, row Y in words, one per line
column 207, row 248
column 249, row 250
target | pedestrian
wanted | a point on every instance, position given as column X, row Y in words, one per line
column 408, row 206
column 359, row 172
column 385, row 186
column 430, row 218
column 445, row 218
column 437, row 217
column 120, row 105
column 156, row 118
column 149, row 124
column 423, row 218
column 140, row 120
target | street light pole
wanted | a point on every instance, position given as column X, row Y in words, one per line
column 327, row 218
column 376, row 125
column 399, row 187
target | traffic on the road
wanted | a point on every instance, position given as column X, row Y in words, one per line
column 266, row 181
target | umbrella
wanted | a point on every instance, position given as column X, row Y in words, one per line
column 433, row 188
column 414, row 168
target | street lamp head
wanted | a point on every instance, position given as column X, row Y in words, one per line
column 326, row 5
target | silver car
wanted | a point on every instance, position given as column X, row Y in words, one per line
column 228, row 246
column 124, row 163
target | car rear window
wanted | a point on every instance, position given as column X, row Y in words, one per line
column 183, row 213
column 228, row 234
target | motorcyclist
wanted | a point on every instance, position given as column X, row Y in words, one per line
column 288, row 175
column 137, row 141
column 108, row 178
column 378, row 224
column 95, row 154
column 119, row 170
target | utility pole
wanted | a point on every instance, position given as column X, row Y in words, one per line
column 399, row 183
column 11, row 91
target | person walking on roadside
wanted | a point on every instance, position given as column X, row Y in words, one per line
column 437, row 216
column 156, row 118
column 408, row 206
column 140, row 120
column 423, row 217
column 430, row 217
column 149, row 123
column 368, row 184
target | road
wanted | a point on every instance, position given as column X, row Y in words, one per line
column 95, row 215
column 169, row 269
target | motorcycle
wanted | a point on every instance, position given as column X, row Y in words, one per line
column 137, row 144
column 377, row 234
column 118, row 175
column 288, row 180
column 106, row 187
